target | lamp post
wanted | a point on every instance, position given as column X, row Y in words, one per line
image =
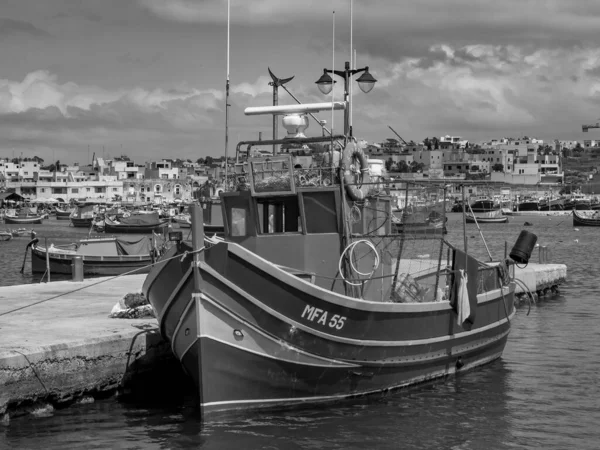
column 365, row 83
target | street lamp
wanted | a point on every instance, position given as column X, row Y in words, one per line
column 365, row 83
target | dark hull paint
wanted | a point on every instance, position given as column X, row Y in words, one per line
column 392, row 345
column 91, row 265
column 294, row 378
column 420, row 229
column 140, row 229
column 81, row 223
column 579, row 221
column 528, row 206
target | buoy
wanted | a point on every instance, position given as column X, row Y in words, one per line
column 576, row 229
column 521, row 251
column 577, row 240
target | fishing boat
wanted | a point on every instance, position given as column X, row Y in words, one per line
column 135, row 223
column 83, row 216
column 528, row 204
column 18, row 232
column 309, row 297
column 483, row 205
column 586, row 219
column 552, row 204
column 64, row 214
column 5, row 236
column 101, row 256
column 183, row 220
column 419, row 225
column 491, row 217
column 26, row 216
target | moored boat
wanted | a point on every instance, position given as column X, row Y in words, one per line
column 5, row 236
column 101, row 256
column 183, row 220
column 298, row 305
column 581, row 219
column 135, row 223
column 26, row 216
column 83, row 216
column 64, row 214
column 491, row 217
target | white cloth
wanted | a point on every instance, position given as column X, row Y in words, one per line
column 463, row 307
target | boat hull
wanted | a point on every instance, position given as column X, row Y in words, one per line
column 139, row 229
column 23, row 221
column 81, row 223
column 475, row 219
column 259, row 337
column 92, row 265
column 580, row 221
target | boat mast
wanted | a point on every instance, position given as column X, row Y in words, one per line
column 227, row 105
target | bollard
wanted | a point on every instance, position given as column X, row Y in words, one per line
column 77, row 268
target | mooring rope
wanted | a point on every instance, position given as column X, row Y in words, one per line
column 182, row 257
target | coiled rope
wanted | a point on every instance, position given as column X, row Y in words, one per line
column 350, row 251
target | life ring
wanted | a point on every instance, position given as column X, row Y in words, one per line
column 352, row 153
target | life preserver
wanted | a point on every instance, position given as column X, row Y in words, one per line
column 353, row 153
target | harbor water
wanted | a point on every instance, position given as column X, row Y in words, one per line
column 543, row 393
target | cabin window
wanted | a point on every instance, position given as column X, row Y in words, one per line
column 238, row 221
column 320, row 211
column 278, row 215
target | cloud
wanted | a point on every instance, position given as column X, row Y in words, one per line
column 11, row 27
column 484, row 91
column 42, row 111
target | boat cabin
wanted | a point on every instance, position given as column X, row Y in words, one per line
column 299, row 227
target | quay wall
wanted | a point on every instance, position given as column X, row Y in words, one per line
column 61, row 350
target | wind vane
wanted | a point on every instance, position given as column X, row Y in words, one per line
column 276, row 83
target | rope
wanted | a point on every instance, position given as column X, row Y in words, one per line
column 102, row 281
column 529, row 297
column 350, row 250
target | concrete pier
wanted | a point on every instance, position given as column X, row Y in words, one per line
column 58, row 350
column 540, row 279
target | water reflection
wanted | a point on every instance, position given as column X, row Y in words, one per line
column 543, row 393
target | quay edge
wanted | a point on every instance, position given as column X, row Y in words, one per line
column 62, row 350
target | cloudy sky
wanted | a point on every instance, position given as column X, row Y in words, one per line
column 146, row 78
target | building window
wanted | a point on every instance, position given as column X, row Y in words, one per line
column 75, row 191
column 115, row 189
column 43, row 190
column 88, row 189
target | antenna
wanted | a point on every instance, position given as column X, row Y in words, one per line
column 227, row 95
column 332, row 65
column 352, row 66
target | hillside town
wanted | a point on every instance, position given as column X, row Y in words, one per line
column 524, row 164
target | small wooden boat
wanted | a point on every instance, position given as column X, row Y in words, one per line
column 183, row 220
column 101, row 256
column 586, row 220
column 494, row 217
column 5, row 236
column 135, row 223
column 64, row 214
column 24, row 218
column 83, row 216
